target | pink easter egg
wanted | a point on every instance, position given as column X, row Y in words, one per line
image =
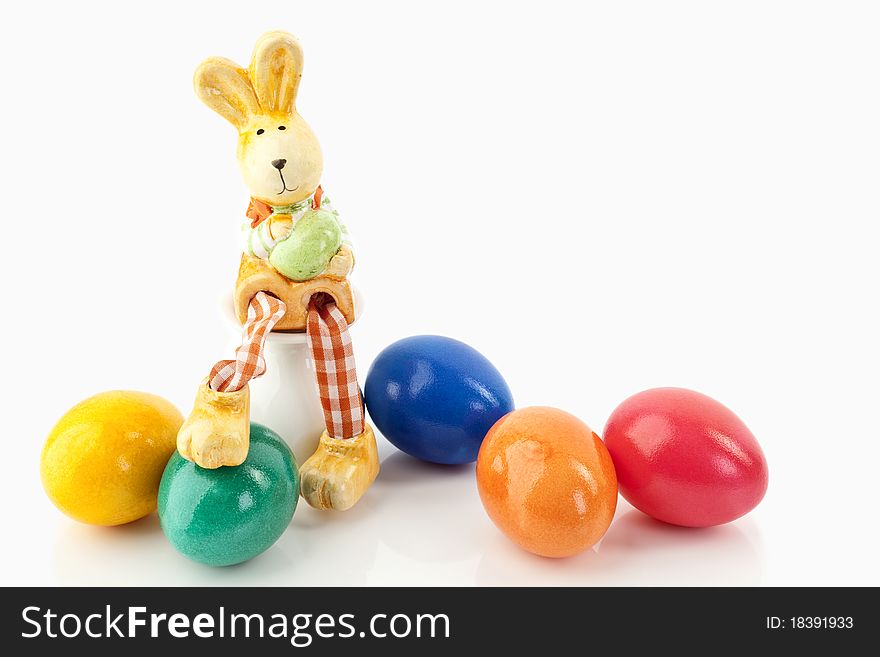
column 684, row 458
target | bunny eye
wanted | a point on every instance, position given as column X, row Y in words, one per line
column 260, row 131
column 281, row 127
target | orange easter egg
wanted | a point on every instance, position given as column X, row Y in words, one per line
column 547, row 481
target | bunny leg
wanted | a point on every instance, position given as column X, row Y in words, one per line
column 346, row 462
column 217, row 431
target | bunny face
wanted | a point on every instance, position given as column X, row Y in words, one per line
column 279, row 155
column 280, row 159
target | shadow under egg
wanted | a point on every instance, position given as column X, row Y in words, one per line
column 636, row 551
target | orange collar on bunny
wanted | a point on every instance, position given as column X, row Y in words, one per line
column 258, row 211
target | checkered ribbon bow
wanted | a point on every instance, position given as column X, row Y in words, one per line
column 332, row 351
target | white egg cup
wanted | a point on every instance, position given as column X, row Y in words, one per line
column 286, row 397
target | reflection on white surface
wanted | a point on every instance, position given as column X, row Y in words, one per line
column 428, row 510
column 420, row 524
column 636, row 551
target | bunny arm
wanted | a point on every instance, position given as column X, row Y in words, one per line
column 259, row 241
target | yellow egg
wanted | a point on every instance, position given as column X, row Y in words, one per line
column 103, row 461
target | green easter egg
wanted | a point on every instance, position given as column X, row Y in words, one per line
column 229, row 515
column 315, row 238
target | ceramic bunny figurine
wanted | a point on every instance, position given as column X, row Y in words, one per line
column 293, row 277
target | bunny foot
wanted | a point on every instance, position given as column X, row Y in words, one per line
column 217, row 431
column 340, row 471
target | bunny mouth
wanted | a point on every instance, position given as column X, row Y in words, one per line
column 284, row 185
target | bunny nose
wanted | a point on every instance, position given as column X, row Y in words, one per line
column 279, row 164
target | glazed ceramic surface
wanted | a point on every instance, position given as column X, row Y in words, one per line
column 216, row 433
column 547, row 481
column 294, row 248
column 435, row 398
column 103, row 460
column 229, row 515
column 340, row 471
column 256, row 275
column 279, row 157
column 684, row 458
column 313, row 241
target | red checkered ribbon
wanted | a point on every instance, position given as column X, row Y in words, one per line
column 330, row 341
column 264, row 311
column 335, row 368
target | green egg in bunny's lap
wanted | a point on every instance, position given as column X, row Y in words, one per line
column 313, row 241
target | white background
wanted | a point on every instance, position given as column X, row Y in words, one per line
column 688, row 191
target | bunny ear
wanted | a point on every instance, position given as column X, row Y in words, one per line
column 225, row 88
column 276, row 69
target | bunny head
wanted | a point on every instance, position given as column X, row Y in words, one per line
column 278, row 153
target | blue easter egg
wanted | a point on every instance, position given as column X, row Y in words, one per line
column 435, row 398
